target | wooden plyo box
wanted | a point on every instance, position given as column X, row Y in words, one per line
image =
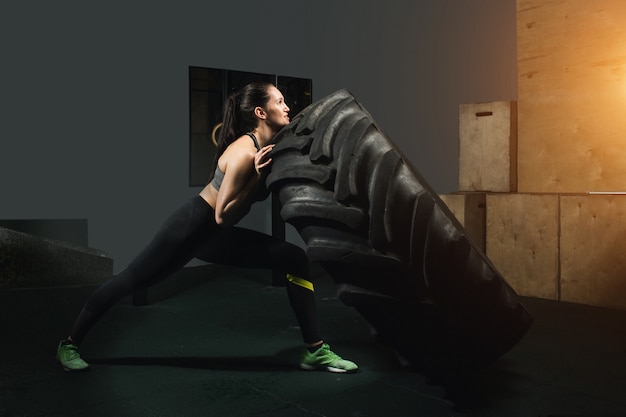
column 522, row 233
column 469, row 210
column 488, row 146
column 593, row 258
column 570, row 66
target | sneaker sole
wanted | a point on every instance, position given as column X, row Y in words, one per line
column 66, row 369
column 326, row 368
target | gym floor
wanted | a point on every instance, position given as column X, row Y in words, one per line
column 219, row 341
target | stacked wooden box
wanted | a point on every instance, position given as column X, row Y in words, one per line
column 560, row 246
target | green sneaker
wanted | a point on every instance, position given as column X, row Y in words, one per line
column 324, row 359
column 68, row 356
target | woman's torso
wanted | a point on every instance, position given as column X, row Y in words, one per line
column 238, row 149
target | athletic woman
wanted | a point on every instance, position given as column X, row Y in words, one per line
column 204, row 228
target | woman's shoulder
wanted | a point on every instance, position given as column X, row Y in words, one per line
column 242, row 144
column 240, row 148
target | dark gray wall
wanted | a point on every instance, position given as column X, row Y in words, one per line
column 94, row 98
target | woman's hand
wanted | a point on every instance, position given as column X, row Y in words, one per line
column 261, row 159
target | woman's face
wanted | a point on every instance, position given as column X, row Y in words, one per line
column 276, row 109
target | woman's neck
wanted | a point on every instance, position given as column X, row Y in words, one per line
column 263, row 134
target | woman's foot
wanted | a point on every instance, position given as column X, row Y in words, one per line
column 69, row 358
column 324, row 359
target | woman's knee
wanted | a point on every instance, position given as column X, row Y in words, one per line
column 294, row 260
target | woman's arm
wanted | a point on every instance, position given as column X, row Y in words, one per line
column 243, row 174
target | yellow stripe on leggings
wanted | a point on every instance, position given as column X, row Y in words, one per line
column 301, row 282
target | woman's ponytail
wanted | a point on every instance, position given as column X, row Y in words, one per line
column 229, row 121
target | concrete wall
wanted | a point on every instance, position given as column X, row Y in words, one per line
column 94, row 98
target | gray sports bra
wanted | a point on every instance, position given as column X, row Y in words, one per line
column 218, row 177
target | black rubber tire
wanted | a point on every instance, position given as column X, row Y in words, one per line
column 396, row 252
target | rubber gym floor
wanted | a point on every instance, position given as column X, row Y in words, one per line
column 217, row 341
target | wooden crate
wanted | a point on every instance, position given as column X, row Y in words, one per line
column 593, row 259
column 488, row 146
column 469, row 209
column 522, row 241
column 571, row 95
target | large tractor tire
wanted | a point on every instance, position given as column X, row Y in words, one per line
column 395, row 251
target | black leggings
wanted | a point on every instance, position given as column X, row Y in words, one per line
column 191, row 232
